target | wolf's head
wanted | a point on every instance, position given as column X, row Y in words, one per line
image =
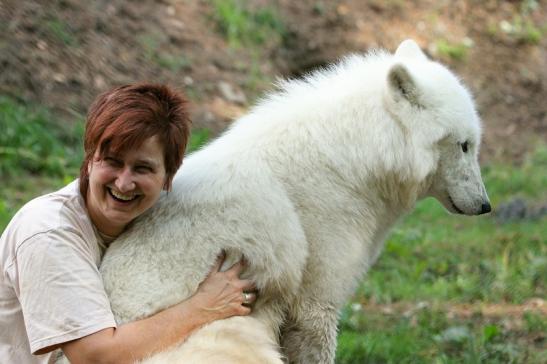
column 442, row 126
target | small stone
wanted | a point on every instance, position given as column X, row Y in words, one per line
column 41, row 45
column 188, row 81
column 59, row 77
column 99, row 82
column 342, row 9
column 468, row 42
column 506, row 27
column 229, row 93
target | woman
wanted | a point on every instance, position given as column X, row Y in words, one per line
column 51, row 293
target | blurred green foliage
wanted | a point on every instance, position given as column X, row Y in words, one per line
column 243, row 26
column 61, row 31
column 31, row 142
column 198, row 139
column 152, row 43
column 522, row 26
column 455, row 51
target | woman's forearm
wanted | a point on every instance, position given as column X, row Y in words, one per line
column 139, row 339
column 219, row 296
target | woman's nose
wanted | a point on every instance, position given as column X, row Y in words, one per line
column 125, row 181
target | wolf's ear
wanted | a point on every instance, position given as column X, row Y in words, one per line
column 410, row 49
column 402, row 86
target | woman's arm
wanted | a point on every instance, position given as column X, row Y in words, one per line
column 219, row 296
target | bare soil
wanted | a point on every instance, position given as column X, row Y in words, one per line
column 61, row 53
column 510, row 317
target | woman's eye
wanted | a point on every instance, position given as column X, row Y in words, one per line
column 143, row 169
column 465, row 146
column 113, row 162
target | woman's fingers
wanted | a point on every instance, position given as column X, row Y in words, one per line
column 247, row 285
column 235, row 270
column 243, row 310
column 218, row 262
column 224, row 292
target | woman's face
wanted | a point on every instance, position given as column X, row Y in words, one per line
column 121, row 187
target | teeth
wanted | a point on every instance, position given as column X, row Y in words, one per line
column 122, row 196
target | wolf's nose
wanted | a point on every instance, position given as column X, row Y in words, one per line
column 485, row 208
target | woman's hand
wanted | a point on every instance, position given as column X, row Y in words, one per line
column 219, row 296
column 224, row 294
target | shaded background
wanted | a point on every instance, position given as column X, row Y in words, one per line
column 448, row 289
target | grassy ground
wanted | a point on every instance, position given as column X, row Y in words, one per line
column 451, row 289
column 447, row 289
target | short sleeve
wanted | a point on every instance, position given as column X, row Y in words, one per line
column 60, row 289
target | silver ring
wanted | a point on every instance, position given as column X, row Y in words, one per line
column 247, row 298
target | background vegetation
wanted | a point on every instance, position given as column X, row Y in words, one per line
column 447, row 289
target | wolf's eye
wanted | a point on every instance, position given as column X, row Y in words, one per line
column 465, row 146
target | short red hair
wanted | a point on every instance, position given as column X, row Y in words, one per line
column 124, row 117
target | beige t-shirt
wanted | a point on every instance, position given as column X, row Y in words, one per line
column 51, row 291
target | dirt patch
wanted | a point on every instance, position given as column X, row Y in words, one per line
column 463, row 310
column 62, row 53
column 512, row 317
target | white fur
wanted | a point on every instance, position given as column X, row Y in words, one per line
column 225, row 342
column 306, row 186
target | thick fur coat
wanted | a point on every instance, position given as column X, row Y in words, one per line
column 306, row 187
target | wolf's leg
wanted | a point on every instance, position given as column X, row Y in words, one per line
column 310, row 336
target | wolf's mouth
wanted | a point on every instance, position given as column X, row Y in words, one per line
column 454, row 205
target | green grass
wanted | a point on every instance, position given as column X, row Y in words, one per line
column 249, row 26
column 429, row 336
column 446, row 260
column 37, row 154
column 243, row 26
column 522, row 26
column 31, row 142
column 61, row 31
column 524, row 30
column 152, row 44
column 454, row 51
column 198, row 139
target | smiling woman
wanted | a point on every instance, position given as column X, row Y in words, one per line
column 122, row 119
column 134, row 143
column 51, row 291
column 122, row 187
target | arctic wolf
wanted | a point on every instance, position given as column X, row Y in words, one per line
column 306, row 187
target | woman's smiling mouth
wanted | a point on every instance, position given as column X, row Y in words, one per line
column 122, row 197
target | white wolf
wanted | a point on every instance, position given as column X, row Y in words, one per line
column 306, row 187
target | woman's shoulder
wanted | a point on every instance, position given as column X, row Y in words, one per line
column 62, row 209
column 46, row 206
